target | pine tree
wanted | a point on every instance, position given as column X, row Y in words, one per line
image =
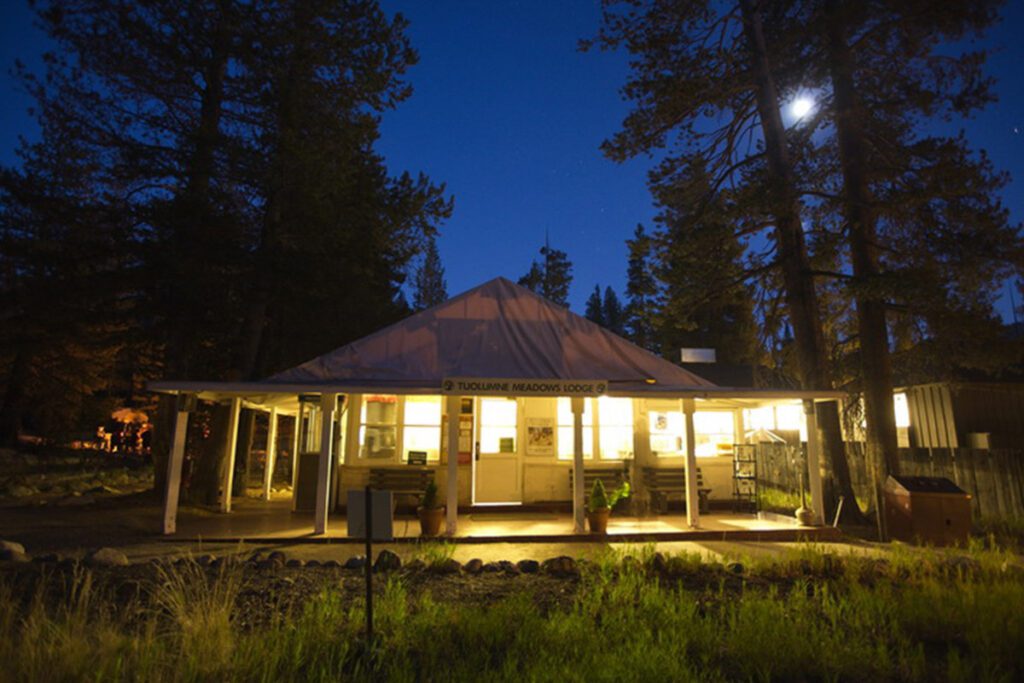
column 641, row 291
column 430, row 288
column 613, row 313
column 551, row 277
column 595, row 308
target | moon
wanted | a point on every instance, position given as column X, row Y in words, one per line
column 802, row 106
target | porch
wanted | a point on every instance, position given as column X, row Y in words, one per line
column 255, row 520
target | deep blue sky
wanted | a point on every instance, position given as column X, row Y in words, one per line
column 510, row 115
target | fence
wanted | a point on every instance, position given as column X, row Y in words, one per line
column 994, row 478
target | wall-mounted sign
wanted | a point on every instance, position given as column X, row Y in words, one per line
column 475, row 386
column 540, row 436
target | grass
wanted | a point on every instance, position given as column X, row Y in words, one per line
column 916, row 615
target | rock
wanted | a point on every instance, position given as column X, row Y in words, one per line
column 491, row 567
column 108, row 557
column 387, row 561
column 474, row 566
column 528, row 566
column 313, row 563
column 19, row 491
column 508, row 567
column 658, row 563
column 278, row 558
column 14, row 556
column 269, row 564
column 205, row 560
column 333, row 564
column 415, row 565
column 735, row 568
column 294, row 563
column 561, row 566
column 449, row 566
column 355, row 562
column 12, row 545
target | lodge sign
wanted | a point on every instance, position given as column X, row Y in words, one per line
column 476, row 386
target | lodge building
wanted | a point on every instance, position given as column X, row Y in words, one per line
column 530, row 394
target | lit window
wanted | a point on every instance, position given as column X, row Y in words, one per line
column 498, row 425
column 565, row 437
column 615, row 423
column 714, row 432
column 667, row 429
column 377, row 427
column 899, row 402
column 421, row 430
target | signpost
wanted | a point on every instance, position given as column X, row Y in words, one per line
column 504, row 386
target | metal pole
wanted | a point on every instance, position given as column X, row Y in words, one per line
column 369, row 570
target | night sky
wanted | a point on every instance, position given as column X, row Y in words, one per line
column 510, row 115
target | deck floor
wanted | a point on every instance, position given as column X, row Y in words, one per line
column 253, row 520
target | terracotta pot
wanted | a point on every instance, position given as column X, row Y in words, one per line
column 431, row 520
column 805, row 516
column 598, row 520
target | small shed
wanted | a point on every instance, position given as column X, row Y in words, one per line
column 927, row 509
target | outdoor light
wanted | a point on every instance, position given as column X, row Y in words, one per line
column 802, row 106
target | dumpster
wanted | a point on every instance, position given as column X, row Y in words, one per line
column 930, row 510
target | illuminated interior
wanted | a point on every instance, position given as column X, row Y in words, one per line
column 667, row 428
column 422, row 426
column 714, row 432
column 498, row 425
column 377, row 426
column 615, row 423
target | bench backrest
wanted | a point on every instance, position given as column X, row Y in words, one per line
column 660, row 478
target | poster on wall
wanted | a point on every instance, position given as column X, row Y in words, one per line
column 540, row 436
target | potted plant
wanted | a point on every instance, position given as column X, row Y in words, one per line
column 430, row 511
column 599, row 507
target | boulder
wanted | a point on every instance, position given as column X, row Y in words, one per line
column 12, row 545
column 474, row 566
column 107, row 557
column 490, row 567
column 561, row 566
column 415, row 565
column 449, row 566
column 294, row 562
column 508, row 567
column 735, row 568
column 333, row 564
column 278, row 558
column 313, row 563
column 354, row 562
column 387, row 561
column 14, row 556
column 528, row 566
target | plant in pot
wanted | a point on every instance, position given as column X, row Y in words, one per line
column 430, row 511
column 599, row 507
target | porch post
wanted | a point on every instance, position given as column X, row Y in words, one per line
column 452, row 504
column 578, row 510
column 692, row 496
column 184, row 405
column 328, row 404
column 814, row 463
column 296, row 435
column 229, row 471
column 268, row 470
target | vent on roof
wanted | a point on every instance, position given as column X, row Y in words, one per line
column 696, row 355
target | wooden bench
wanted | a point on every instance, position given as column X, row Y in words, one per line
column 402, row 481
column 662, row 482
column 611, row 477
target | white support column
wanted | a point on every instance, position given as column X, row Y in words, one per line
column 328, row 403
column 174, row 463
column 232, row 446
column 578, row 500
column 814, row 463
column 268, row 470
column 692, row 495
column 454, row 404
column 296, row 435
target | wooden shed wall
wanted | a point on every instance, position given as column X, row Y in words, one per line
column 997, row 409
column 932, row 422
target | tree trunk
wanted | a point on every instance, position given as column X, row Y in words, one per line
column 14, row 399
column 798, row 282
column 876, row 367
column 209, row 469
column 243, row 453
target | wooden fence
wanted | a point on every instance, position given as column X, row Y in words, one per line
column 994, row 478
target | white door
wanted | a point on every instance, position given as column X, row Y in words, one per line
column 498, row 467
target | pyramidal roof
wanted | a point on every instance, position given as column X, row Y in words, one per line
column 498, row 329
